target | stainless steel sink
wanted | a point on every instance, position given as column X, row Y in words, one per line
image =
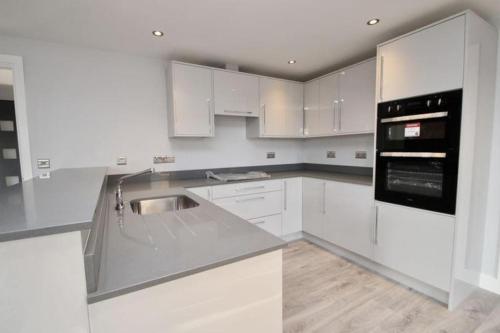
column 162, row 204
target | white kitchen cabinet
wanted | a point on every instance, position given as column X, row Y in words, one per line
column 205, row 192
column 416, row 243
column 252, row 187
column 236, row 94
column 342, row 102
column 328, row 104
column 190, row 101
column 252, row 206
column 312, row 120
column 314, row 206
column 281, row 109
column 356, row 108
column 424, row 62
column 349, row 221
column 271, row 224
column 292, row 205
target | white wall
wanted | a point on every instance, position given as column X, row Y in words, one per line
column 87, row 107
column 314, row 150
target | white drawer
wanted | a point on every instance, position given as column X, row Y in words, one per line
column 231, row 190
column 253, row 205
column 271, row 224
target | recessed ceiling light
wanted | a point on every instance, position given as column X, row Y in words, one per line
column 291, row 62
column 373, row 21
column 158, row 33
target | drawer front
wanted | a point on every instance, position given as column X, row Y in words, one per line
column 231, row 190
column 271, row 224
column 253, row 205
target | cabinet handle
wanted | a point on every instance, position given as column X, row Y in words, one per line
column 381, row 83
column 341, row 106
column 250, row 199
column 209, row 115
column 250, row 188
column 375, row 227
column 264, row 116
column 324, row 198
column 285, row 195
column 259, row 222
column 335, row 103
column 238, row 112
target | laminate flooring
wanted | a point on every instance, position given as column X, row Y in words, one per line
column 326, row 293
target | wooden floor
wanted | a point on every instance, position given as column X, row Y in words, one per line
column 325, row 293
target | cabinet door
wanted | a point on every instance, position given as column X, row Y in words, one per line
column 236, row 94
column 271, row 224
column 312, row 121
column 425, row 62
column 328, row 104
column 416, row 243
column 282, row 107
column 292, row 205
column 350, row 217
column 192, row 100
column 314, row 206
column 357, row 98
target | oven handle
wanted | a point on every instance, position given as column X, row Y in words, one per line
column 415, row 117
column 412, row 154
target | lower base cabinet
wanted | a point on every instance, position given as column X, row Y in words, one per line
column 416, row 243
column 313, row 206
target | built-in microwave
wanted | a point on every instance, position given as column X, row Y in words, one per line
column 418, row 141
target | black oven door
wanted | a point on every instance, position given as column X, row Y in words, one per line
column 422, row 180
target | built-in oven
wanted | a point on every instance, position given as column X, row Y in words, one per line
column 418, row 141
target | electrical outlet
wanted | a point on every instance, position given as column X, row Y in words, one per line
column 271, row 154
column 121, row 161
column 330, row 154
column 43, row 163
column 360, row 155
column 163, row 159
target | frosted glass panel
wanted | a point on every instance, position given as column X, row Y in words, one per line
column 9, row 154
column 6, row 126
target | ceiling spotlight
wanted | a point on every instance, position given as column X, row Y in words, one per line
column 291, row 62
column 158, row 33
column 373, row 21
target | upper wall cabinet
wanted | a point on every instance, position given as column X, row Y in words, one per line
column 341, row 103
column 236, row 94
column 190, row 101
column 427, row 61
column 281, row 110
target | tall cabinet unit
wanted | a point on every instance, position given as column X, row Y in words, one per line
column 456, row 53
column 281, row 109
column 190, row 101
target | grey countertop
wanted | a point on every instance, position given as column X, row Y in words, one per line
column 64, row 202
column 140, row 251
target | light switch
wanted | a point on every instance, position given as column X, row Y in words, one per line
column 121, row 161
column 43, row 163
column 330, row 154
column 271, row 154
column 360, row 155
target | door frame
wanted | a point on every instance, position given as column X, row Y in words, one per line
column 15, row 63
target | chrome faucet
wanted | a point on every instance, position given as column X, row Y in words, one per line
column 119, row 195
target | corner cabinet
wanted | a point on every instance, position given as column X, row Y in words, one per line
column 281, row 110
column 190, row 101
column 341, row 103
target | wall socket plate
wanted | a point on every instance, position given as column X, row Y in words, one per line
column 360, row 155
column 163, row 159
column 43, row 163
column 121, row 161
column 271, row 154
column 331, row 154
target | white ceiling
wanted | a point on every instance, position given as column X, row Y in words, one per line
column 259, row 35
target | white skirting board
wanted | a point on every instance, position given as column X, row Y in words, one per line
column 435, row 293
